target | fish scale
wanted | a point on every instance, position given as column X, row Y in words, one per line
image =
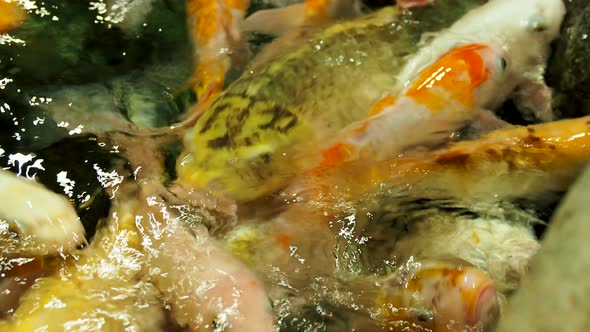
column 252, row 136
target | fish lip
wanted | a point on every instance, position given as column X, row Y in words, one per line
column 487, row 308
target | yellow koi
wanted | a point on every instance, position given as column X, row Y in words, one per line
column 540, row 156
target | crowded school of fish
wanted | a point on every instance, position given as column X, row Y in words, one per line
column 385, row 176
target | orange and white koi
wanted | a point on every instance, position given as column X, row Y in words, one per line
column 521, row 32
column 214, row 26
column 439, row 100
column 524, row 29
column 537, row 157
column 453, row 298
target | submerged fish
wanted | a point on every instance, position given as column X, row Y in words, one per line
column 543, row 157
column 452, row 298
column 248, row 140
column 142, row 257
column 35, row 221
column 271, row 123
column 451, row 203
column 233, row 147
column 478, row 176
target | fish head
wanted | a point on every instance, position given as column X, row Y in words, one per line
column 541, row 19
column 489, row 71
column 458, row 297
column 513, row 24
column 524, row 29
column 527, row 29
column 460, row 74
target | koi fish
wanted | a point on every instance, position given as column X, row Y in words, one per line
column 270, row 125
column 523, row 29
column 442, row 97
column 142, row 256
column 452, row 298
column 522, row 32
column 247, row 141
column 540, row 157
column 433, row 294
column 35, row 221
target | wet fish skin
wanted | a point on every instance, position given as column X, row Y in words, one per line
column 12, row 15
column 441, row 98
column 457, row 298
column 122, row 276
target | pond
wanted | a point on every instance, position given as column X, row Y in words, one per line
column 274, row 165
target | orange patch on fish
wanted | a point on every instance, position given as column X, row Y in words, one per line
column 213, row 17
column 362, row 128
column 454, row 76
column 205, row 27
column 11, row 15
column 209, row 79
column 381, row 105
column 336, row 154
column 316, row 8
column 241, row 5
column 284, row 240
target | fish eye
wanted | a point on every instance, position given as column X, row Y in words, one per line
column 537, row 24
